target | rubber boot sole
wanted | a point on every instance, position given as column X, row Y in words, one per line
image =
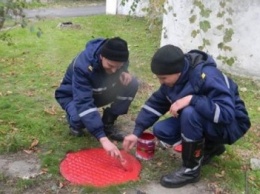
column 168, row 185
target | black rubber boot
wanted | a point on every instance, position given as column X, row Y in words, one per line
column 108, row 121
column 192, row 154
column 211, row 150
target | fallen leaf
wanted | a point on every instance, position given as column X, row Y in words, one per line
column 243, row 89
column 51, row 110
column 55, row 86
column 61, row 185
column 220, row 175
column 9, row 92
column 34, row 143
column 15, row 129
column 48, row 152
column 159, row 164
column 44, row 170
column 28, row 151
column 215, row 188
column 29, row 93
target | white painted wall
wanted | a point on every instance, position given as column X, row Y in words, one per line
column 245, row 42
column 111, row 7
column 126, row 9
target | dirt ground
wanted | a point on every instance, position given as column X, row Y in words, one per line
column 21, row 166
column 21, row 173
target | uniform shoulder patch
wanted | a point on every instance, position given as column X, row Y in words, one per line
column 90, row 68
column 203, row 75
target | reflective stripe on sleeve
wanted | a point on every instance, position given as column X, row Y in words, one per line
column 226, row 80
column 217, row 113
column 124, row 98
column 99, row 89
column 87, row 112
column 152, row 110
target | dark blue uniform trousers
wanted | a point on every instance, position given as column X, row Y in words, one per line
column 119, row 96
column 192, row 125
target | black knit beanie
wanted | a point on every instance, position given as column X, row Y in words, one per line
column 167, row 60
column 115, row 49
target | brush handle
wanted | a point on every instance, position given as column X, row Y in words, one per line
column 125, row 164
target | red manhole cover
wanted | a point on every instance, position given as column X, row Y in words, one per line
column 96, row 168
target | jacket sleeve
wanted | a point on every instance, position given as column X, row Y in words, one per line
column 84, row 102
column 156, row 106
column 215, row 100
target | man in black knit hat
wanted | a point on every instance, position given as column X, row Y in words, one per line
column 205, row 110
column 98, row 76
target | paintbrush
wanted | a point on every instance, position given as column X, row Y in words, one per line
column 125, row 164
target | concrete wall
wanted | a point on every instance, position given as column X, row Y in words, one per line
column 245, row 42
column 177, row 30
column 111, row 7
column 116, row 7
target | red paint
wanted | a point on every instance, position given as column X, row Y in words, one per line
column 126, row 165
column 178, row 148
column 94, row 167
column 145, row 146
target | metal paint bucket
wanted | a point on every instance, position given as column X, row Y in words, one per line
column 145, row 146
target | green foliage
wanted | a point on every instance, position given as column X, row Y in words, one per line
column 192, row 19
column 11, row 12
column 227, row 60
column 154, row 12
column 157, row 8
column 6, row 38
column 206, row 42
column 199, row 4
column 220, row 27
column 205, row 25
column 228, row 35
column 221, row 14
column 205, row 13
column 38, row 31
column 11, row 9
column 225, row 12
column 194, row 33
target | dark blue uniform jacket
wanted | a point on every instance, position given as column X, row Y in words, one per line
column 215, row 97
column 84, row 78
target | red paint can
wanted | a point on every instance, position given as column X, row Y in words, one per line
column 145, row 146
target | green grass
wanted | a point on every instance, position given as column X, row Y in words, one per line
column 62, row 3
column 32, row 68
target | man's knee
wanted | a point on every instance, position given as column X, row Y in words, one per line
column 157, row 129
column 187, row 111
column 73, row 117
column 189, row 115
column 166, row 134
column 133, row 85
column 192, row 123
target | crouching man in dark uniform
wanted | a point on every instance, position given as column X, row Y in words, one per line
column 96, row 77
column 205, row 107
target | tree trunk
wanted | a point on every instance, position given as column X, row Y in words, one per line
column 2, row 17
